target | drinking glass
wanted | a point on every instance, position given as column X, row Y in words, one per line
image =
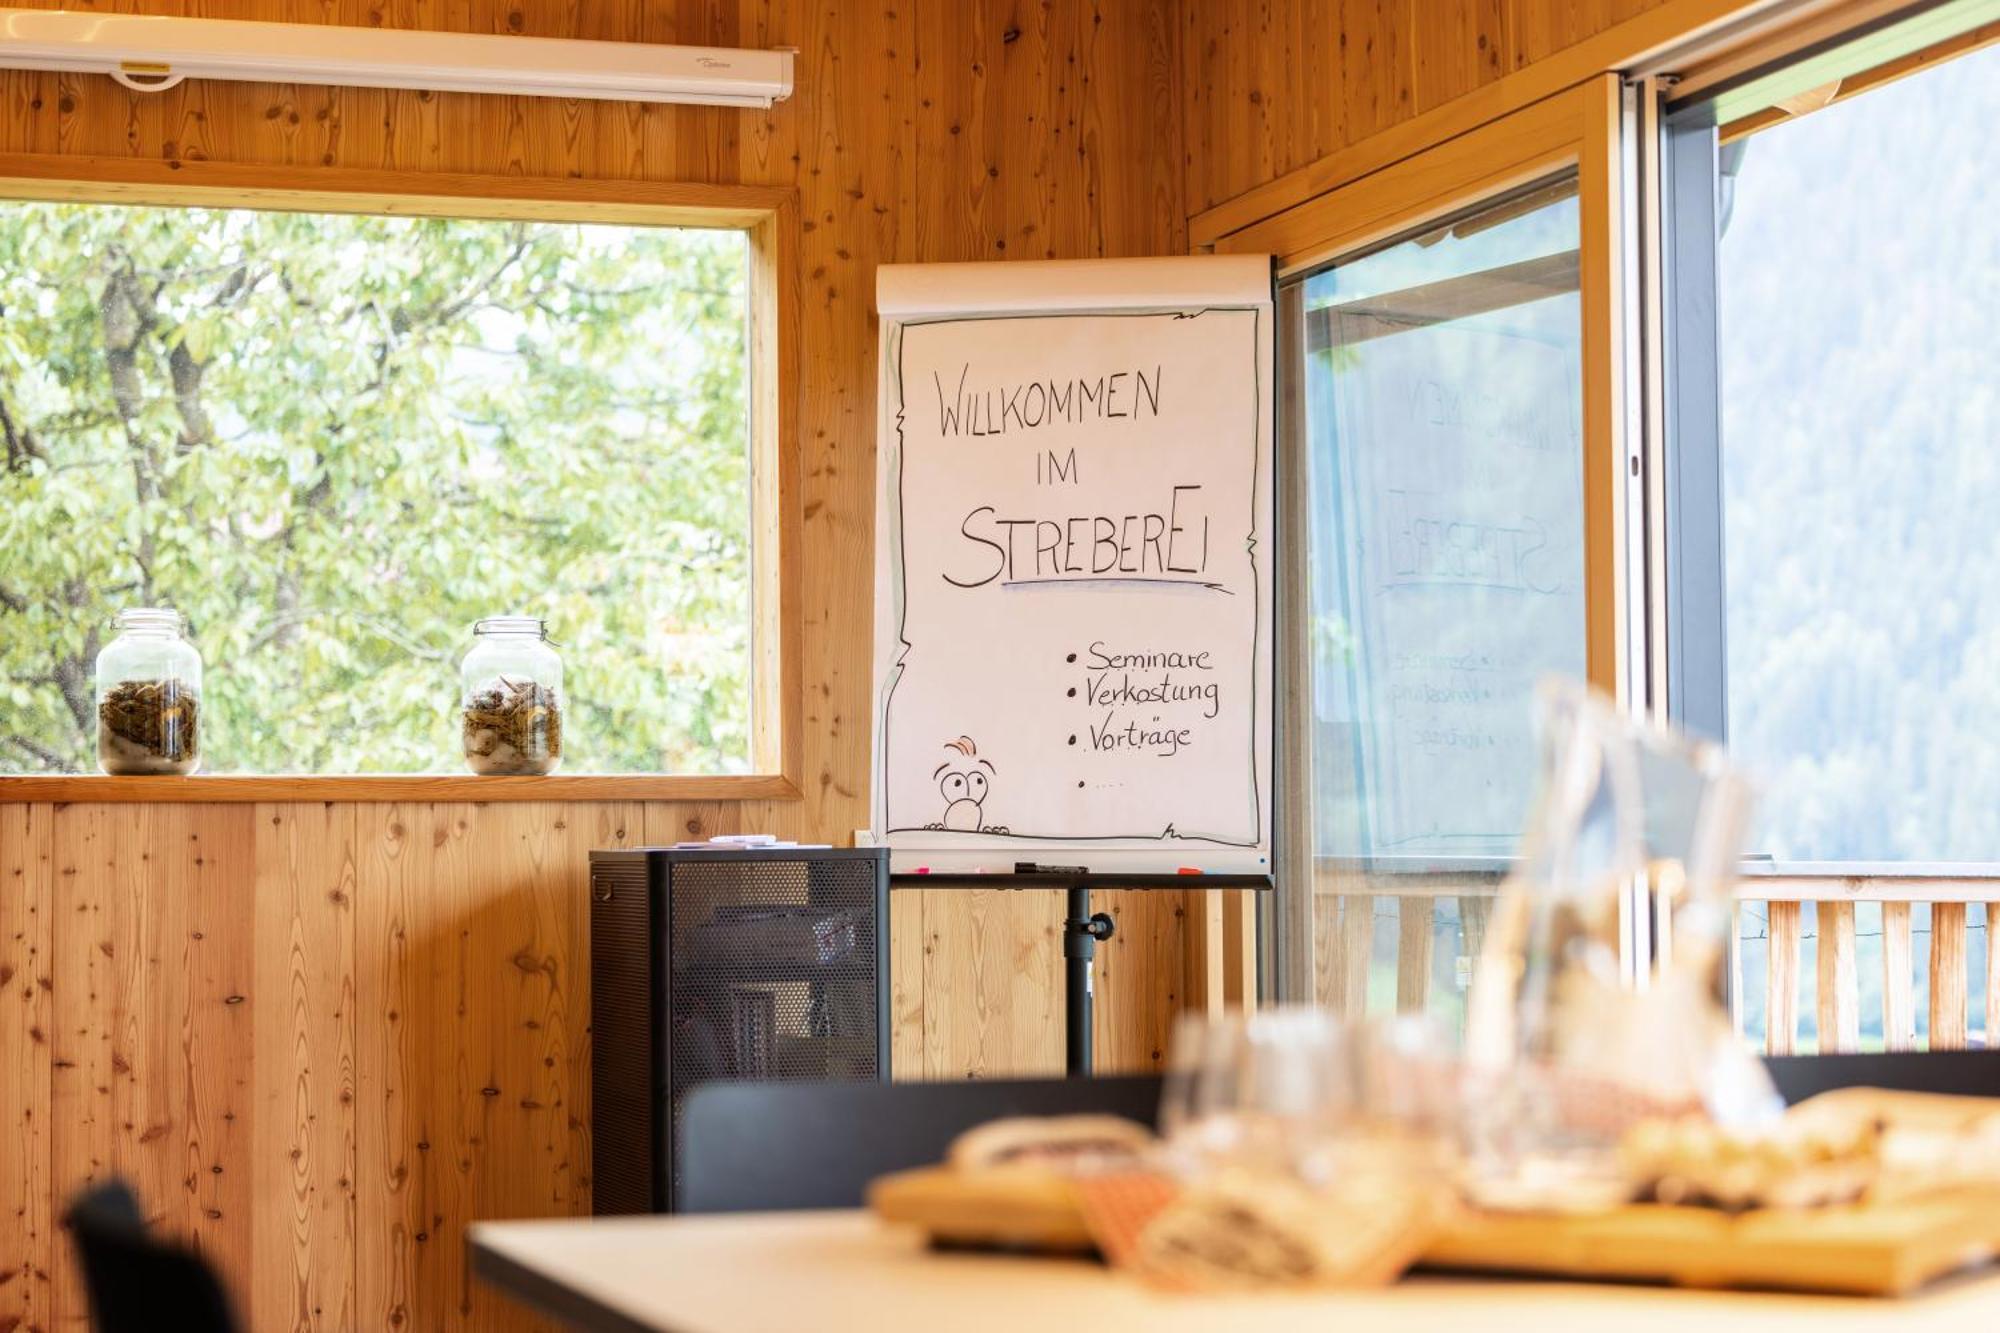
column 1266, row 1091
column 1564, row 1051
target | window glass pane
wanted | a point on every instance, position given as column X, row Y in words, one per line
column 1441, row 382
column 333, row 442
column 1859, row 275
column 1443, row 391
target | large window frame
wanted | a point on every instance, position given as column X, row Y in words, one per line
column 767, row 215
column 1694, row 116
column 1644, row 157
column 1575, row 131
column 1689, row 109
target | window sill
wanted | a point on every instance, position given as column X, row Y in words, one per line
column 199, row 789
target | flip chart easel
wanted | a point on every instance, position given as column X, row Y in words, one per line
column 1074, row 574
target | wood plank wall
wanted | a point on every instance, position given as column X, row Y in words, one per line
column 323, row 1037
column 1272, row 85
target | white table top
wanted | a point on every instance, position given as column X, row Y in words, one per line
column 749, row 1272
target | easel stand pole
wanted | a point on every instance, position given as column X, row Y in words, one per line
column 1081, row 932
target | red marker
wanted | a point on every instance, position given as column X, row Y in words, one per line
column 1188, row 870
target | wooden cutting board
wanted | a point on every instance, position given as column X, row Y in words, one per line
column 1875, row 1249
column 1882, row 1248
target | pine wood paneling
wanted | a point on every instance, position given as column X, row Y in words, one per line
column 1277, row 84
column 1141, row 975
column 152, row 1059
column 473, row 1066
column 368, row 1014
column 27, row 919
column 992, row 983
column 304, row 1122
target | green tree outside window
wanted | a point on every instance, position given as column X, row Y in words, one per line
column 334, row 441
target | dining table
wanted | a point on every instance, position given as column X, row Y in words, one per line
column 848, row 1270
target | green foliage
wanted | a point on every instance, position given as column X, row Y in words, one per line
column 333, row 442
column 1860, row 417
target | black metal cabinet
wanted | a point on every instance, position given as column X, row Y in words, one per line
column 705, row 965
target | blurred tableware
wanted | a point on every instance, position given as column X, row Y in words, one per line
column 1262, row 1091
column 1564, row 1053
column 1308, row 1150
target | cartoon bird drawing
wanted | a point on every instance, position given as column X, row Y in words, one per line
column 963, row 781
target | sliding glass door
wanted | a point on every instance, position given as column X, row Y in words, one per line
column 1447, row 491
column 1831, row 273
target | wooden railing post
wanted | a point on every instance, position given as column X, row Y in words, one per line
column 1781, row 997
column 1947, row 976
column 1839, row 983
column 1357, row 952
column 1899, row 1010
column 1735, row 966
column 1473, row 914
column 1992, row 976
column 1415, row 918
column 1949, row 1006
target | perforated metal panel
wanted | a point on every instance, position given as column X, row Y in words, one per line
column 624, row 1097
column 775, row 973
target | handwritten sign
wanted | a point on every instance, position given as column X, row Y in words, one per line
column 1073, row 615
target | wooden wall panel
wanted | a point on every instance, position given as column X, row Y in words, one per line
column 152, row 1054
column 305, row 1116
column 320, row 1038
column 379, row 1033
column 473, row 1071
column 1276, row 84
column 27, row 1011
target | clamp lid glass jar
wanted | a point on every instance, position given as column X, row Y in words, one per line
column 511, row 698
column 149, row 696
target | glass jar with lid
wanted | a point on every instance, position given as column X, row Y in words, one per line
column 149, row 696
column 511, row 698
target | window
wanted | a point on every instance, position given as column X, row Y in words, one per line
column 1748, row 314
column 1832, row 413
column 1441, row 415
column 1442, row 443
column 333, row 441
column 1860, row 409
column 1448, row 489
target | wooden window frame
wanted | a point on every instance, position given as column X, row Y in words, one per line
column 1576, row 130
column 767, row 215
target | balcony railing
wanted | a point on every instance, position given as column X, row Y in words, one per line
column 1350, row 912
column 1836, row 987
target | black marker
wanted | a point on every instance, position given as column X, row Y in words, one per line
column 1030, row 868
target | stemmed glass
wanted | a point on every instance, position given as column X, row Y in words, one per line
column 1308, row 1148
column 1268, row 1091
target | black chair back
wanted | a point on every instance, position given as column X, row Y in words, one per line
column 752, row 1146
column 748, row 1146
column 1967, row 1073
column 137, row 1282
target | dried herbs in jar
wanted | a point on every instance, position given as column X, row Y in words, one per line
column 148, row 727
column 513, row 727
